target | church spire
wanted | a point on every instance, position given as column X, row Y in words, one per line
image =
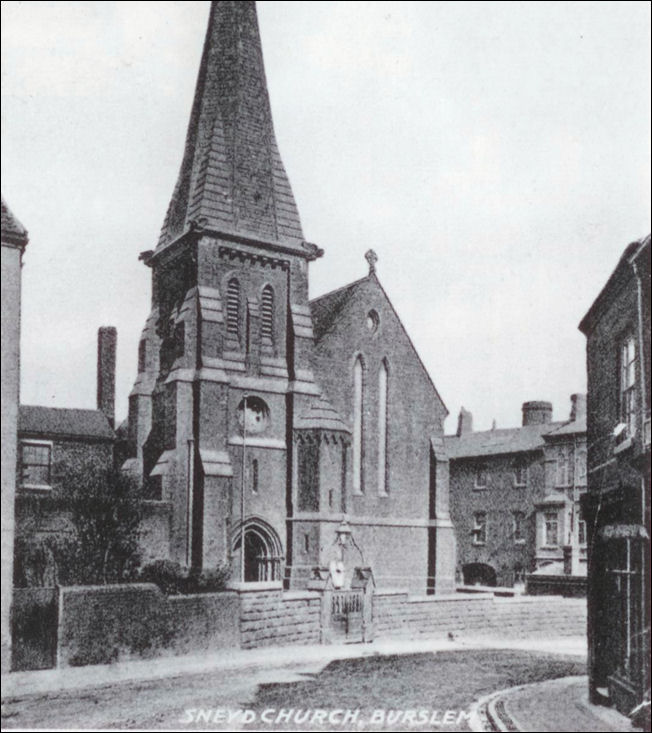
column 232, row 178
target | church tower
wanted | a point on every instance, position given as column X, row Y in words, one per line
column 224, row 371
column 267, row 428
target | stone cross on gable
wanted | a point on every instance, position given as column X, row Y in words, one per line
column 371, row 258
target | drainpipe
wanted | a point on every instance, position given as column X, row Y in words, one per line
column 189, row 503
column 242, row 488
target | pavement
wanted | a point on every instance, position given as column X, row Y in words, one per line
column 554, row 705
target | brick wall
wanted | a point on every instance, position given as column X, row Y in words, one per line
column 270, row 617
column 500, row 499
column 396, row 614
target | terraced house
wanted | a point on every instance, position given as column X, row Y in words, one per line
column 515, row 496
column 617, row 504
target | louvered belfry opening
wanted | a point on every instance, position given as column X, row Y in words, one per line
column 267, row 313
column 233, row 308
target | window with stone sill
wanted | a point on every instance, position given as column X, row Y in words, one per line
column 551, row 529
column 480, row 478
column 479, row 528
column 35, row 465
column 520, row 474
column 565, row 466
column 628, row 384
column 580, row 466
column 518, row 521
column 581, row 532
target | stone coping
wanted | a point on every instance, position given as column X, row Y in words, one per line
column 269, row 585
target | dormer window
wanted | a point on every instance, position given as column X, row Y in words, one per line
column 628, row 384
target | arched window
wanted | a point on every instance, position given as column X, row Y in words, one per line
column 382, row 429
column 233, row 308
column 267, row 313
column 358, row 424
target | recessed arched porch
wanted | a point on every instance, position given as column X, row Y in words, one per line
column 263, row 552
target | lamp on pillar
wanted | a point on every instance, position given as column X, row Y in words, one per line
column 343, row 533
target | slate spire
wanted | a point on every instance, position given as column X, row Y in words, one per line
column 232, row 178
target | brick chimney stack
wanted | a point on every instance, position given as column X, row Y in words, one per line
column 578, row 407
column 537, row 413
column 107, row 338
column 464, row 422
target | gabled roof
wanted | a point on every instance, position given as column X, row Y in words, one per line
column 572, row 427
column 12, row 230
column 63, row 422
column 621, row 274
column 326, row 309
column 498, row 442
column 232, row 178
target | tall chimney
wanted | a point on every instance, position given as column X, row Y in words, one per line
column 464, row 422
column 537, row 413
column 107, row 338
column 578, row 407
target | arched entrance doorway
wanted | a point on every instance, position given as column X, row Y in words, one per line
column 478, row 573
column 263, row 553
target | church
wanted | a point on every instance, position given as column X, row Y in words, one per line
column 267, row 426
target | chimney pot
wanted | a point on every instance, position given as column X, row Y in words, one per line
column 107, row 337
column 537, row 413
column 464, row 422
column 578, row 407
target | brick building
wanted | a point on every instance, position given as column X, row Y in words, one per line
column 258, row 413
column 617, row 505
column 560, row 530
column 54, row 441
column 513, row 495
column 14, row 240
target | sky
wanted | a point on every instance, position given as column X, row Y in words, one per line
column 496, row 156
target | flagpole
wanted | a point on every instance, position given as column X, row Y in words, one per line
column 242, row 488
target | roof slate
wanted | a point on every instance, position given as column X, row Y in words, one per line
column 499, row 441
column 325, row 309
column 232, row 178
column 321, row 415
column 57, row 421
column 10, row 224
column 572, row 427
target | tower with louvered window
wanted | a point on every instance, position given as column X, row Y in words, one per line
column 226, row 404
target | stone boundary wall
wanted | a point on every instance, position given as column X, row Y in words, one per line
column 396, row 614
column 108, row 623
column 103, row 624
column 270, row 616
